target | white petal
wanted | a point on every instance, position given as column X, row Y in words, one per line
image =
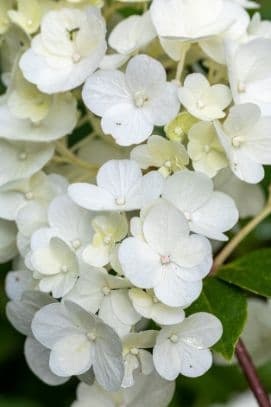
column 194, row 362
column 87, row 291
column 149, row 390
column 21, row 160
column 144, row 73
column 140, row 264
column 70, row 222
column 109, row 317
column 188, row 190
column 132, row 33
column 108, row 363
column 51, row 324
column 163, row 226
column 91, row 197
column 97, row 256
column 71, row 355
column 127, row 124
column 37, row 357
column 123, row 307
column 104, row 89
column 201, row 330
column 174, row 291
column 191, row 252
column 218, row 215
column 167, row 360
column 17, row 282
column 160, row 313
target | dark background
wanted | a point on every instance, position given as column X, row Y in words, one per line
column 20, row 388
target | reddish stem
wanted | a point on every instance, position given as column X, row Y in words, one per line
column 251, row 374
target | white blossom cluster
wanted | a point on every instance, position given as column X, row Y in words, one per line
column 110, row 239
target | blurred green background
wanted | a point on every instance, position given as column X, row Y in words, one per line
column 20, row 388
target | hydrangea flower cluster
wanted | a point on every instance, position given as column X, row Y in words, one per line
column 129, row 147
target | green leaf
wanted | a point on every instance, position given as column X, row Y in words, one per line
column 251, row 272
column 229, row 304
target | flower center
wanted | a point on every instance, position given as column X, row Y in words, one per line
column 76, row 57
column 140, row 98
column 64, row 269
column 91, row 336
column 76, row 244
column 241, row 87
column 22, row 156
column 167, row 164
column 174, row 338
column 107, row 239
column 120, row 201
column 134, row 351
column 188, row 215
column 29, row 195
column 200, row 104
column 206, row 148
column 237, row 141
column 178, row 131
column 165, row 260
column 106, row 290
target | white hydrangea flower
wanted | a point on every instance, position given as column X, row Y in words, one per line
column 33, row 215
column 17, row 194
column 168, row 156
column 202, row 100
column 109, row 229
column 136, row 358
column 188, row 20
column 78, row 341
column 249, row 83
column 183, row 348
column 246, row 138
column 37, row 358
column 131, row 104
column 205, row 150
column 132, row 34
column 120, row 187
column 70, row 223
column 21, row 160
column 27, row 114
column 249, row 198
column 96, row 290
column 151, row 390
column 58, row 66
column 148, row 305
column 21, row 313
column 27, row 16
column 209, row 213
column 169, row 260
column 8, row 248
column 54, row 263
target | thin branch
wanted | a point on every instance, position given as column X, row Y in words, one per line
column 241, row 352
column 250, row 372
column 241, row 235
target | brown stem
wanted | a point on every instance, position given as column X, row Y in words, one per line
column 250, row 372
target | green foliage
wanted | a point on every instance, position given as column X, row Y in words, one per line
column 228, row 303
column 251, row 272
